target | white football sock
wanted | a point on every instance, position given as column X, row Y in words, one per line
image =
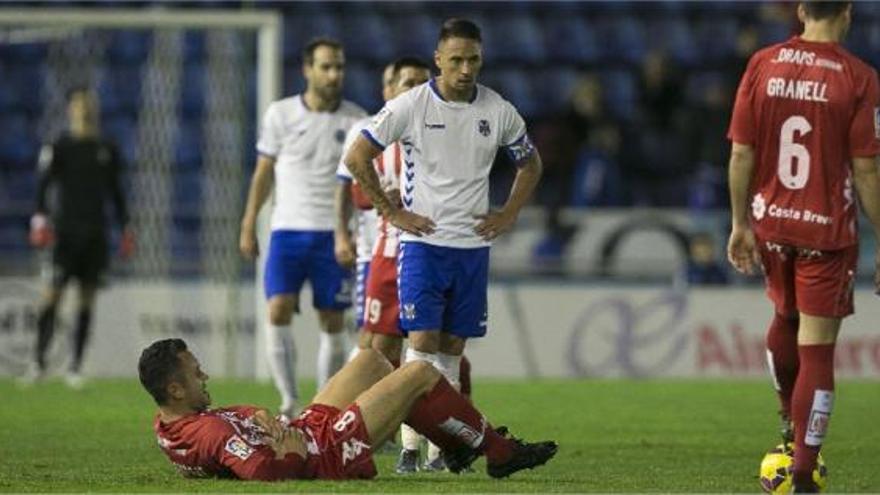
column 281, row 350
column 409, row 438
column 353, row 353
column 414, row 355
column 433, row 452
column 332, row 351
column 450, row 366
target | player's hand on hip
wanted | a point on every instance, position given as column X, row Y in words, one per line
column 394, row 196
column 493, row 224
column 742, row 251
column 344, row 250
column 412, row 222
column 247, row 244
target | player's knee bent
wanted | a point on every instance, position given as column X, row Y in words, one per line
column 422, row 373
column 365, row 340
column 390, row 347
column 376, row 360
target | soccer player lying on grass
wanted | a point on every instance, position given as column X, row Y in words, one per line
column 362, row 405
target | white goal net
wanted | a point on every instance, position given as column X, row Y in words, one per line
column 180, row 94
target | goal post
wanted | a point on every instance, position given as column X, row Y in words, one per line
column 223, row 114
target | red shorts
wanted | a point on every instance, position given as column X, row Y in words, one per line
column 339, row 447
column 382, row 306
column 817, row 283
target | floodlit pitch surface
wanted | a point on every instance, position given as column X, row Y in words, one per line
column 614, row 436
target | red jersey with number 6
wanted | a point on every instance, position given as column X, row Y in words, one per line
column 807, row 109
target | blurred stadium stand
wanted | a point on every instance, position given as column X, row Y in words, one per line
column 536, row 54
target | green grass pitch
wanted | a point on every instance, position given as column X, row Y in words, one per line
column 614, row 436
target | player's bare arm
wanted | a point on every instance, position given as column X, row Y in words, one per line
column 742, row 250
column 343, row 245
column 498, row 222
column 359, row 161
column 261, row 186
column 867, row 182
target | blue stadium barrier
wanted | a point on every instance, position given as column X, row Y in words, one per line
column 366, row 38
column 18, row 142
column 187, row 193
column 363, row 85
column 716, row 38
column 122, row 130
column 188, row 149
column 775, row 32
column 621, row 93
column 8, row 93
column 416, row 35
column 192, row 92
column 194, row 49
column 597, row 181
column 525, row 46
column 515, row 85
column 571, row 40
column 25, row 80
column 120, row 88
column 675, row 36
column 22, row 186
column 129, row 47
column 553, row 88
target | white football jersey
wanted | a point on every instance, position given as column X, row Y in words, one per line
column 448, row 151
column 307, row 147
column 367, row 220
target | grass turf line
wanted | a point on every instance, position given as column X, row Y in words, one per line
column 615, row 436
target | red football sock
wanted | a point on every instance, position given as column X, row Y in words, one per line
column 450, row 421
column 464, row 376
column 782, row 348
column 811, row 406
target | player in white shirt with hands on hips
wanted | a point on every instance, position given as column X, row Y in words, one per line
column 299, row 147
column 450, row 130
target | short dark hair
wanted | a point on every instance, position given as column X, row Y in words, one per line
column 460, row 28
column 408, row 61
column 819, row 10
column 308, row 52
column 158, row 365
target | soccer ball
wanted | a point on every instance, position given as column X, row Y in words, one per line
column 776, row 470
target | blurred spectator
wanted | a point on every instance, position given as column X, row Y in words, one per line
column 582, row 136
column 703, row 267
column 748, row 40
column 661, row 90
column 653, row 157
column 583, row 126
column 707, row 147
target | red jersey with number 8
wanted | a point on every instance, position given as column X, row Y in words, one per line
column 807, row 109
